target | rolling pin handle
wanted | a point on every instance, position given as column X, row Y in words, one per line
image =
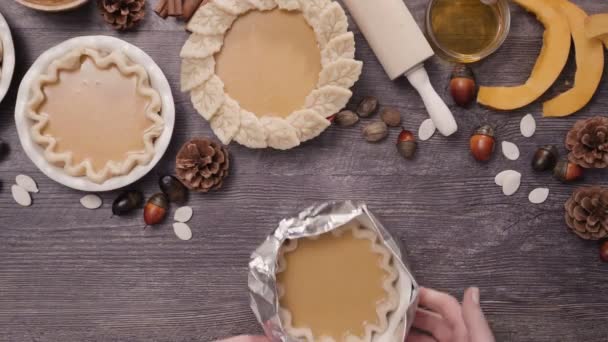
column 438, row 111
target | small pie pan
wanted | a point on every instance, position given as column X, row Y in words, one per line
column 8, row 58
column 35, row 151
column 61, row 6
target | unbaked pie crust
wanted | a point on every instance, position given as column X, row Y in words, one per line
column 383, row 307
column 73, row 63
column 229, row 121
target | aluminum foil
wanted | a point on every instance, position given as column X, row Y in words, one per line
column 317, row 220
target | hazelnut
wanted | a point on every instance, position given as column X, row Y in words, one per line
column 375, row 131
column 391, row 116
column 367, row 106
column 346, row 118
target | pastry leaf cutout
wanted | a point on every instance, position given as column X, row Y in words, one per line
column 263, row 5
column 226, row 122
column 328, row 100
column 209, row 97
column 209, row 19
column 252, row 133
column 281, row 135
column 308, row 124
column 289, row 5
column 342, row 46
column 333, row 23
column 196, row 72
column 312, row 9
column 342, row 73
column 234, row 7
column 199, row 46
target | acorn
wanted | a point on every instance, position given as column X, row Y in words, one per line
column 604, row 251
column 406, row 144
column 156, row 209
column 174, row 189
column 126, row 202
column 545, row 158
column 482, row 143
column 462, row 85
column 566, row 171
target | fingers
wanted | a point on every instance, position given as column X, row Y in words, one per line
column 418, row 337
column 449, row 308
column 244, row 338
column 433, row 324
column 477, row 325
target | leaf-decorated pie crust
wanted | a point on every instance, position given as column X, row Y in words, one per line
column 228, row 120
column 196, row 71
column 104, row 60
column 343, row 46
column 289, row 5
column 383, row 308
column 200, row 46
column 234, row 7
column 341, row 73
column 208, row 97
column 210, row 20
column 308, row 123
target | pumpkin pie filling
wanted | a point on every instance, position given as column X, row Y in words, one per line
column 334, row 284
column 104, row 119
column 270, row 62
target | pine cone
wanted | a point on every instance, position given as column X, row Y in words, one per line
column 122, row 14
column 587, row 212
column 587, row 142
column 202, row 164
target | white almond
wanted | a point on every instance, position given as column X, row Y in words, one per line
column 538, row 195
column 182, row 231
column 427, row 130
column 91, row 201
column 21, row 196
column 527, row 126
column 183, row 214
column 27, row 183
column 510, row 184
column 510, row 150
column 499, row 179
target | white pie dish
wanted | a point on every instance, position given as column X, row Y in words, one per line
column 8, row 59
column 36, row 152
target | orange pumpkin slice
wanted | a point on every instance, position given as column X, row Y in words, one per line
column 589, row 66
column 552, row 59
column 596, row 26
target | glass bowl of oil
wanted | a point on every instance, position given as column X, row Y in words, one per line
column 467, row 31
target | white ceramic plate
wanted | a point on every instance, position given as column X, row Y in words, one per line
column 35, row 152
column 8, row 60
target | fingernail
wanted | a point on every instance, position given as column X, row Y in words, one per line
column 475, row 295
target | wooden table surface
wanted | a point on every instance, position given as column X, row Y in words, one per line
column 70, row 274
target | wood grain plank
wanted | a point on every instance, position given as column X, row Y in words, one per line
column 70, row 274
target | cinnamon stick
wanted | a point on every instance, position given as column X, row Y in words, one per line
column 175, row 8
column 190, row 6
column 161, row 8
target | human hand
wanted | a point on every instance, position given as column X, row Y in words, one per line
column 246, row 338
column 441, row 316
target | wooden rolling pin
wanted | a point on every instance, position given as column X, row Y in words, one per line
column 400, row 45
